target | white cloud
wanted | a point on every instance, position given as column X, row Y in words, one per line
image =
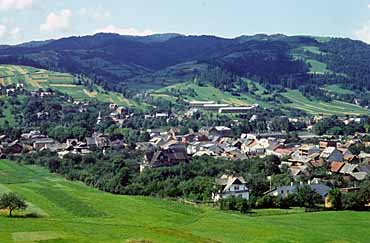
column 363, row 33
column 95, row 13
column 368, row 5
column 3, row 30
column 59, row 21
column 124, row 31
column 15, row 33
column 15, row 4
column 11, row 34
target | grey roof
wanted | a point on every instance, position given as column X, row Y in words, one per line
column 359, row 175
column 348, row 168
column 321, row 189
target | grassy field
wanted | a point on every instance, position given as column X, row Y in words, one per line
column 201, row 93
column 298, row 101
column 72, row 212
column 317, row 67
column 210, row 93
column 318, row 107
column 34, row 79
column 334, row 88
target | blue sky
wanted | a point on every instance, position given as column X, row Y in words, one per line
column 25, row 20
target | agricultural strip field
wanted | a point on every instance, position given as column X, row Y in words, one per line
column 64, row 211
column 34, row 79
column 200, row 93
column 319, row 107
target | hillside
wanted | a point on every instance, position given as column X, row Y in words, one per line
column 289, row 61
column 63, row 211
column 35, row 79
column 189, row 91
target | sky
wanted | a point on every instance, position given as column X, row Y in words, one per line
column 26, row 20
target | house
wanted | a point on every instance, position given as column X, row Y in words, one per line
column 306, row 150
column 284, row 191
column 231, row 186
column 280, row 151
column 348, row 168
column 171, row 156
column 335, row 167
column 194, row 137
column 220, row 131
column 113, row 106
column 14, row 148
column 10, row 92
column 364, row 157
column 297, row 170
column 97, row 140
column 40, row 143
column 324, row 144
column 122, row 111
column 331, row 154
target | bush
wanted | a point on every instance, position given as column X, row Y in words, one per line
column 235, row 204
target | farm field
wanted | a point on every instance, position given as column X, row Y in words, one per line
column 190, row 91
column 319, row 107
column 72, row 212
column 203, row 93
column 34, row 79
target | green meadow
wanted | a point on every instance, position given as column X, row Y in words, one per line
column 334, row 88
column 64, row 211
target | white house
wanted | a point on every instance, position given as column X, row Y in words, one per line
column 231, row 186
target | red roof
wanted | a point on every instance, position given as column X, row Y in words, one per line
column 336, row 166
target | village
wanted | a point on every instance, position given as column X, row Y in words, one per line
column 166, row 147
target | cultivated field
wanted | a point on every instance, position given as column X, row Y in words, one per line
column 190, row 91
column 319, row 107
column 63, row 211
column 34, row 79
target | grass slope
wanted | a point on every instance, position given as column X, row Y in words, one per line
column 203, row 93
column 37, row 78
column 73, row 212
column 334, row 88
column 318, row 107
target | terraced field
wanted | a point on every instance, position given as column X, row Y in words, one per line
column 34, row 79
column 61, row 211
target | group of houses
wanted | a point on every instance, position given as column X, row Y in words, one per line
column 35, row 141
column 168, row 148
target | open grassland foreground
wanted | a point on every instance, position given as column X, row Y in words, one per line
column 63, row 211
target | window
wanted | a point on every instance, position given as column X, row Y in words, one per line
column 236, row 188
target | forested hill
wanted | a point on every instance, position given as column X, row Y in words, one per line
column 116, row 61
